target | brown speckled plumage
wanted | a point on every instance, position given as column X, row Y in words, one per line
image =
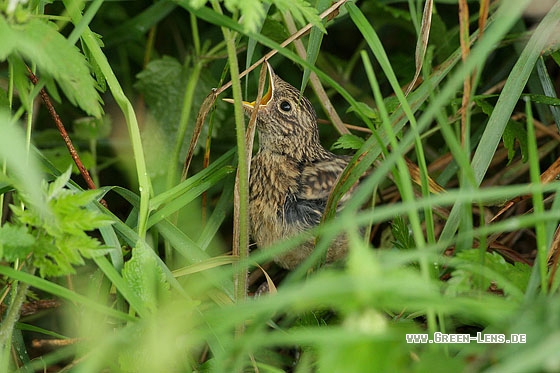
column 292, row 174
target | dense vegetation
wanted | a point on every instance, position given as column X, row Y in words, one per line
column 124, row 244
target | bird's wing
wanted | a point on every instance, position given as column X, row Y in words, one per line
column 318, row 178
column 305, row 206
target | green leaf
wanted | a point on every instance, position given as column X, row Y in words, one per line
column 15, row 242
column 99, row 77
column 366, row 110
column 515, row 130
column 50, row 260
column 145, row 278
column 348, row 141
column 472, row 271
column 163, row 85
column 252, row 12
column 50, row 51
column 22, row 165
column 314, row 44
column 90, row 128
column 302, row 11
column 55, row 188
column 61, row 238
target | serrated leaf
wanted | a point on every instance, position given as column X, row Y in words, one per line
column 55, row 56
column 145, row 277
column 97, row 72
column 15, row 242
column 61, row 238
column 464, row 280
column 49, row 260
column 302, row 12
column 515, row 130
column 348, row 141
column 57, row 186
column 366, row 110
column 252, row 12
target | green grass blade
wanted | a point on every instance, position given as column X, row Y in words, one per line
column 134, row 131
column 62, row 292
column 510, row 93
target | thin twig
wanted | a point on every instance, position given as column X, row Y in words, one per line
column 73, row 153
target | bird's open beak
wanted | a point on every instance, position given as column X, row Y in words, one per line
column 267, row 96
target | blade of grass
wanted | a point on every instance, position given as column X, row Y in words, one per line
column 313, row 44
column 133, row 130
column 405, row 184
column 511, row 92
column 548, row 89
column 179, row 190
column 538, row 203
column 422, row 42
column 241, row 195
column 192, row 190
column 219, row 213
column 62, row 292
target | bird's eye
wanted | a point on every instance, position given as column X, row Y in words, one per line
column 285, row 106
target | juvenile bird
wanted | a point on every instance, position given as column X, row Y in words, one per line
column 292, row 174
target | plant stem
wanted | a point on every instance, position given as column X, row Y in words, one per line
column 7, row 325
column 241, row 194
column 130, row 117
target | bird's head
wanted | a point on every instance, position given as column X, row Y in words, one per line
column 286, row 121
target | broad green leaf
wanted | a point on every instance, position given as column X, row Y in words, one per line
column 163, row 85
column 145, row 278
column 42, row 45
column 15, row 242
column 89, row 128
